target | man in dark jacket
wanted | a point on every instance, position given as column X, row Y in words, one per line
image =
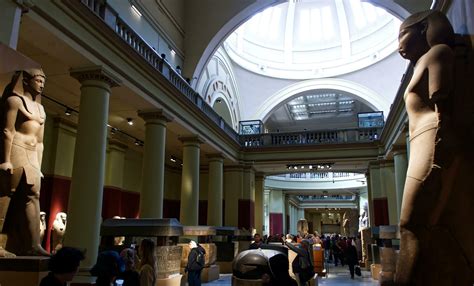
column 195, row 264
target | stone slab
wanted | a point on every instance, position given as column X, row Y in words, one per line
column 225, row 267
column 145, row 227
column 23, row 270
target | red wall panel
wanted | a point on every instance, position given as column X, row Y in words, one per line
column 276, row 223
column 381, row 211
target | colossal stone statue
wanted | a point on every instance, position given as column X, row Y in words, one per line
column 21, row 153
column 435, row 248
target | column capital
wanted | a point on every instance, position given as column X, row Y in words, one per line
column 191, row 140
column 259, row 176
column 97, row 73
column 399, row 150
column 212, row 157
column 156, row 115
column 117, row 145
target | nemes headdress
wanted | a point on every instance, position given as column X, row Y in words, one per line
column 17, row 80
column 439, row 29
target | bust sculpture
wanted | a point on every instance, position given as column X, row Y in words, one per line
column 58, row 231
column 21, row 154
column 437, row 178
column 42, row 225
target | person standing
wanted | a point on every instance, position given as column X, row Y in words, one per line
column 63, row 266
column 196, row 262
column 257, row 242
column 351, row 257
column 148, row 263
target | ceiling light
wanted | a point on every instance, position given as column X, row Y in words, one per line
column 113, row 130
column 130, row 121
column 68, row 111
column 137, row 142
column 173, row 159
column 172, row 52
column 136, row 10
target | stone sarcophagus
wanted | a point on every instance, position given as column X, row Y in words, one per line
column 164, row 231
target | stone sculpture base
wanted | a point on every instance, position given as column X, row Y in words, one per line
column 23, row 270
column 172, row 280
column 225, row 267
column 208, row 274
column 244, row 282
column 375, row 271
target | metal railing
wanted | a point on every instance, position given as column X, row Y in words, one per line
column 102, row 10
column 311, row 137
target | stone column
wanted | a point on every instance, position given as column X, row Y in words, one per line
column 115, row 164
column 10, row 18
column 85, row 199
column 401, row 165
column 286, row 213
column 247, row 201
column 233, row 185
column 153, row 171
column 215, row 192
column 259, row 185
column 189, row 210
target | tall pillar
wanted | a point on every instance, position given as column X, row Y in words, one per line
column 259, row 185
column 401, row 165
column 247, row 201
column 300, row 213
column 189, row 210
column 266, row 211
column 153, row 171
column 115, row 162
column 10, row 18
column 215, row 193
column 276, row 211
column 286, row 215
column 370, row 207
column 85, row 199
column 233, row 182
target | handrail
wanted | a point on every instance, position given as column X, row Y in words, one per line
column 102, row 10
column 136, row 42
column 352, row 135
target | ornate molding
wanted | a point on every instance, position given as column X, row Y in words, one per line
column 191, row 140
column 95, row 73
column 150, row 115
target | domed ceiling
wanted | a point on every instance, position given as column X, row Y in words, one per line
column 303, row 39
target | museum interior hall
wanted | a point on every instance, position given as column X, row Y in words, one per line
column 216, row 120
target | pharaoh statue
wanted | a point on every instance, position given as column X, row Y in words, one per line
column 435, row 241
column 58, row 231
column 42, row 225
column 21, row 151
column 363, row 218
column 302, row 227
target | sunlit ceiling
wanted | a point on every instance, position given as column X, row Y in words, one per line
column 303, row 39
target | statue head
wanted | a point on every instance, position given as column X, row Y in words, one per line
column 420, row 31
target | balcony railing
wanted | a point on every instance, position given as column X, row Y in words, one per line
column 102, row 10
column 311, row 137
column 327, row 198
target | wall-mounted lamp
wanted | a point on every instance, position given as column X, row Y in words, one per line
column 134, row 9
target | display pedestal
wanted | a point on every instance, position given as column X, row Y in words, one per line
column 172, row 280
column 225, row 267
column 23, row 270
column 375, row 271
column 245, row 282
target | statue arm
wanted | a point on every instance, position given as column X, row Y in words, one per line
column 440, row 72
column 40, row 145
column 13, row 103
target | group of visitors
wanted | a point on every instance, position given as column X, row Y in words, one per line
column 126, row 268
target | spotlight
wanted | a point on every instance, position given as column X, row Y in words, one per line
column 68, row 111
column 310, row 167
column 218, row 100
column 137, row 142
column 113, row 130
column 130, row 121
column 295, row 167
column 173, row 159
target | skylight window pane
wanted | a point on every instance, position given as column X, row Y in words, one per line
column 328, row 23
column 304, row 25
column 358, row 14
column 316, row 27
column 265, row 22
column 369, row 12
column 275, row 23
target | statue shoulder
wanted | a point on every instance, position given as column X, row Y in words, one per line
column 440, row 52
column 14, row 101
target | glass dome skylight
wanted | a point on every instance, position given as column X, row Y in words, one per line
column 303, row 39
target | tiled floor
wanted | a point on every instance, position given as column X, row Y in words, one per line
column 337, row 276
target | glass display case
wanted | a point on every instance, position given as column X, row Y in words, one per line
column 249, row 127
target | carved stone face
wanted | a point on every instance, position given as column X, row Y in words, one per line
column 412, row 43
column 35, row 85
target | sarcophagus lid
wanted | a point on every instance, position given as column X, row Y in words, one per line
column 226, row 230
column 200, row 230
column 147, row 227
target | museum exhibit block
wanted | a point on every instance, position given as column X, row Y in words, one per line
column 227, row 248
column 388, row 253
column 164, row 231
column 23, row 270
